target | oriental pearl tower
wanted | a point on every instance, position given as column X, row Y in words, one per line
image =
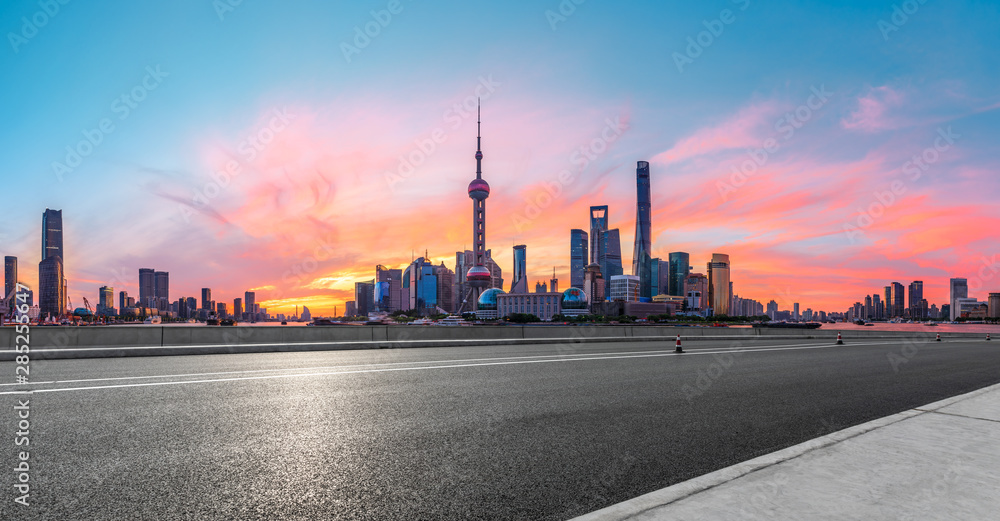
column 479, row 276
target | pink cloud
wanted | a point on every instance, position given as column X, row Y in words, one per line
column 740, row 131
column 872, row 113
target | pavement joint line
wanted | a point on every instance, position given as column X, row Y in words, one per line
column 685, row 489
column 457, row 366
column 963, row 416
column 671, row 350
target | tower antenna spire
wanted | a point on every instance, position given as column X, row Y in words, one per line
column 479, row 139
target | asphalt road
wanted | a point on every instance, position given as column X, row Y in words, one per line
column 506, row 432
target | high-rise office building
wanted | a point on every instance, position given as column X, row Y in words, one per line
column 52, row 234
column 238, row 308
column 718, row 284
column 389, row 289
column 958, row 288
column 9, row 276
column 519, row 282
column 897, row 299
column 122, row 300
column 51, row 287
column 611, row 254
column 624, row 288
column 695, row 291
column 478, row 277
column 664, row 283
column 680, row 266
column 106, row 301
column 250, row 305
column 51, row 270
column 916, row 303
column 878, row 307
column 147, row 285
column 993, row 303
column 579, row 257
column 445, row 287
column 598, row 225
column 654, row 277
column 364, row 296
column 206, row 298
column 221, row 310
column 594, row 284
column 161, row 285
column 642, row 253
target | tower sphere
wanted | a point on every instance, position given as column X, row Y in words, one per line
column 479, row 189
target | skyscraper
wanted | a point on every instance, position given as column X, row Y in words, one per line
column 52, row 234
column 250, row 304
column 959, row 288
column 51, row 274
column 917, row 302
column 9, row 279
column 161, row 285
column 364, row 295
column 897, row 300
column 478, row 276
column 388, row 289
column 237, row 308
column 51, row 289
column 206, row 298
column 680, row 266
column 718, row 284
column 598, row 225
column 519, row 282
column 611, row 254
column 106, row 301
column 147, row 286
column 578, row 257
column 641, row 254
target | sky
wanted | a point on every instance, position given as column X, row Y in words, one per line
column 829, row 148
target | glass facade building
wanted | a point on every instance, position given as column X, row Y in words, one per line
column 680, row 267
column 519, row 283
column 611, row 259
column 161, row 285
column 52, row 234
column 642, row 253
column 52, row 291
column 598, row 225
column 578, row 257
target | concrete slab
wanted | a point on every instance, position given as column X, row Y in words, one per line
column 941, row 461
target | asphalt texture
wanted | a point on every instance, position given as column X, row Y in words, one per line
column 504, row 432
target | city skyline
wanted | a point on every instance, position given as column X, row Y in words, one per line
column 313, row 210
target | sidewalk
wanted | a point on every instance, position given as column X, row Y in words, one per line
column 940, row 461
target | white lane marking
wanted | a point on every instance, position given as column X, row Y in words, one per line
column 395, row 369
column 460, row 360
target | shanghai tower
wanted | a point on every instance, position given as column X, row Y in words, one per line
column 641, row 257
column 479, row 276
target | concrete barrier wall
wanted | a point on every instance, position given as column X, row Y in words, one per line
column 150, row 336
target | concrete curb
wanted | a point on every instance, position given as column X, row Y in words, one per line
column 674, row 493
